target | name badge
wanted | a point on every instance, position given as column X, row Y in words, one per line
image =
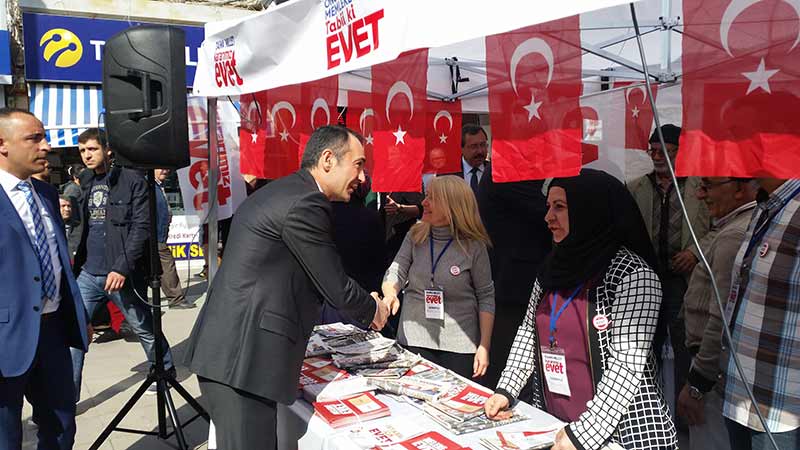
column 554, row 363
column 434, row 304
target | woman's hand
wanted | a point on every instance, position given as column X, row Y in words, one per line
column 481, row 362
column 562, row 442
column 496, row 407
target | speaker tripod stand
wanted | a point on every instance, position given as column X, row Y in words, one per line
column 164, row 379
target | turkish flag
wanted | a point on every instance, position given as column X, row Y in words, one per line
column 638, row 115
column 284, row 107
column 399, row 98
column 443, row 137
column 534, row 77
column 587, row 120
column 256, row 125
column 741, row 89
column 360, row 117
column 318, row 104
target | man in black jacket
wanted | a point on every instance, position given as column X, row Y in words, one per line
column 281, row 264
column 112, row 260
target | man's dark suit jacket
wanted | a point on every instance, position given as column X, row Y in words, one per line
column 280, row 265
column 487, row 172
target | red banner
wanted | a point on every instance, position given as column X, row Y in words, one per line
column 741, row 83
column 443, row 137
column 638, row 116
column 399, row 98
column 318, row 103
column 534, row 77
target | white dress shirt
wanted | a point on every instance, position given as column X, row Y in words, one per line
column 17, row 198
column 466, row 168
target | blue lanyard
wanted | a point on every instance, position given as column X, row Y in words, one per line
column 436, row 262
column 762, row 230
column 555, row 315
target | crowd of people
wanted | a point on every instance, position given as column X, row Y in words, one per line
column 571, row 294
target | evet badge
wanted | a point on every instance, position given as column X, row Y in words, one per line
column 601, row 322
column 225, row 72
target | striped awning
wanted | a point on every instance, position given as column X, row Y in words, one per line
column 66, row 110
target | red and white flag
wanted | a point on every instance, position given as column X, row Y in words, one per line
column 741, row 89
column 587, row 120
column 443, row 137
column 534, row 77
column 399, row 98
column 360, row 117
column 638, row 116
column 318, row 102
column 255, row 127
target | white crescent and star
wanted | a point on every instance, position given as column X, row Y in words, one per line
column 735, row 8
column 288, row 107
column 528, row 47
column 362, row 121
column 449, row 117
column 320, row 103
column 635, row 110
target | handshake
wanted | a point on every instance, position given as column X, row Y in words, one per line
column 385, row 307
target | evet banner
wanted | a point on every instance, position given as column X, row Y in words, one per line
column 306, row 40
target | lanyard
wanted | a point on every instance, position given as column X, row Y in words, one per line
column 555, row 315
column 434, row 263
column 759, row 233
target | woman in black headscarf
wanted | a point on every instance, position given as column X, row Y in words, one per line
column 587, row 339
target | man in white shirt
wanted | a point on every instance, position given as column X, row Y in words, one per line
column 41, row 310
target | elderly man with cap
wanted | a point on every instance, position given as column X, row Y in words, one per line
column 657, row 197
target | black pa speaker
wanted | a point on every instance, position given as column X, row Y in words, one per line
column 144, row 96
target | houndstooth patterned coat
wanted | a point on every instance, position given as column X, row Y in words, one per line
column 628, row 407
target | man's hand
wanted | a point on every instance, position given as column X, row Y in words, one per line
column 481, row 362
column 114, row 282
column 496, row 407
column 690, row 409
column 684, row 261
column 381, row 312
column 562, row 442
column 391, row 207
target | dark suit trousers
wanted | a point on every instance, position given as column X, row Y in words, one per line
column 48, row 387
column 243, row 421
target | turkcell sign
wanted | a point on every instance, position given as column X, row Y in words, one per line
column 70, row 49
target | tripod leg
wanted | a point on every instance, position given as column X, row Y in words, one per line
column 173, row 415
column 161, row 386
column 122, row 413
column 188, row 397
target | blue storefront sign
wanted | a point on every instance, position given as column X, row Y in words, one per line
column 70, row 49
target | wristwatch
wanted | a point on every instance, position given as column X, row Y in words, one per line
column 695, row 393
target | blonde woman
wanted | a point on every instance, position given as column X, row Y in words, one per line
column 443, row 268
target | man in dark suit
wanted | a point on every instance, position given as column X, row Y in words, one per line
column 474, row 149
column 280, row 265
column 513, row 214
column 41, row 311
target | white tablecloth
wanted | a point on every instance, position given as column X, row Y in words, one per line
column 299, row 429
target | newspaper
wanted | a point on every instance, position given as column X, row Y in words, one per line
column 376, row 359
column 520, row 440
column 338, row 329
column 478, row 423
column 411, row 387
column 359, row 344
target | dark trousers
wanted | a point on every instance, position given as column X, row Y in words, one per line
column 48, row 387
column 170, row 282
column 243, row 421
column 743, row 438
column 507, row 319
column 460, row 363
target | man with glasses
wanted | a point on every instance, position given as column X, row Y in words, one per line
column 474, row 150
column 730, row 202
column 657, row 197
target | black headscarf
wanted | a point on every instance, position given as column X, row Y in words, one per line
column 603, row 216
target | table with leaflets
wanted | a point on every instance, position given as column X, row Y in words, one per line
column 299, row 427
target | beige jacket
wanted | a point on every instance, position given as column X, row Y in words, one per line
column 646, row 197
column 701, row 312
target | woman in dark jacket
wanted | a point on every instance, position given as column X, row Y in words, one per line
column 587, row 338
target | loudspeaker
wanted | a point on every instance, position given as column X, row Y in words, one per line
column 144, row 96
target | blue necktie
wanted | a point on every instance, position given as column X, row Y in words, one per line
column 41, row 245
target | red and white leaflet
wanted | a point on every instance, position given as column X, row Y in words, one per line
column 428, row 441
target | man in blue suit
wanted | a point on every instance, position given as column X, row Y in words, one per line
column 41, row 311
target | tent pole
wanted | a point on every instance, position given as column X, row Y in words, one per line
column 213, row 177
column 666, row 43
column 726, row 326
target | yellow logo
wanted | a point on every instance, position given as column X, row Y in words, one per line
column 63, row 46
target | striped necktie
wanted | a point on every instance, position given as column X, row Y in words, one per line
column 40, row 243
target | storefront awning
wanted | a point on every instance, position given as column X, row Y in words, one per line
column 66, row 110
